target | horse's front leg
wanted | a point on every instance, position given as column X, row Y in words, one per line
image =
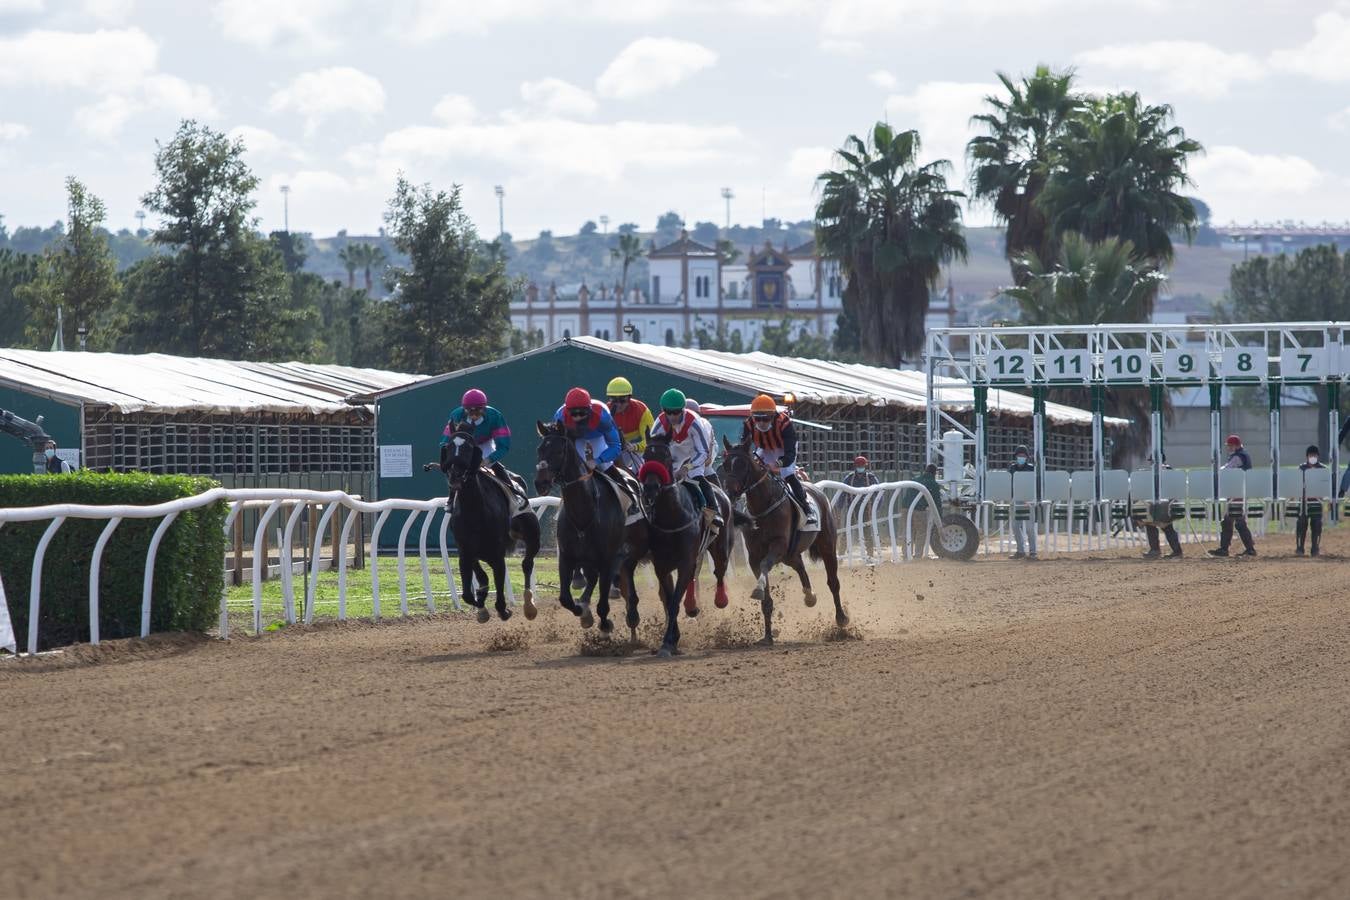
column 498, row 579
column 609, row 578
column 566, row 567
column 762, row 593
column 467, row 564
column 587, row 619
column 670, row 643
column 721, row 554
column 629, row 583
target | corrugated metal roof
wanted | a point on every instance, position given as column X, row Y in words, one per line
column 812, row 380
column 157, row 382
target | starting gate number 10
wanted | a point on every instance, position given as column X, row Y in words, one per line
column 1127, row 365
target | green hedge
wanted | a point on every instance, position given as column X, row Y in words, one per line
column 189, row 574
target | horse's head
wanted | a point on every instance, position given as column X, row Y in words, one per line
column 461, row 456
column 658, row 467
column 555, row 450
column 740, row 468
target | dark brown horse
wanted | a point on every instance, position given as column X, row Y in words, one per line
column 771, row 538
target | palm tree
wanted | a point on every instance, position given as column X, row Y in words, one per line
column 372, row 257
column 350, row 255
column 892, row 224
column 627, row 251
column 1090, row 284
column 1117, row 168
column 1010, row 165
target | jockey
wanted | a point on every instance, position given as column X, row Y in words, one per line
column 489, row 430
column 689, row 447
column 711, row 464
column 775, row 443
column 631, row 416
column 592, row 428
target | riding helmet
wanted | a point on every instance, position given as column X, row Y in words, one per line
column 619, row 387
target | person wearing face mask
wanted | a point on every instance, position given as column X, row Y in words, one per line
column 492, row 434
column 1024, row 535
column 860, row 477
column 58, row 466
column 1309, row 513
column 775, row 442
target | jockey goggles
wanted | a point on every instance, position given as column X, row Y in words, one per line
column 579, row 414
column 763, row 416
column 475, row 410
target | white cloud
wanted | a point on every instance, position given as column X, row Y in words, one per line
column 108, row 11
column 550, row 146
column 455, row 109
column 105, row 119
column 884, row 80
column 20, row 6
column 294, row 24
column 1339, row 121
column 808, row 162
column 1245, row 186
column 104, row 60
column 941, row 112
column 323, row 93
column 264, row 144
column 1189, row 67
column 182, row 98
column 426, row 20
column 557, row 97
column 1326, row 56
column 13, row 131
column 652, row 64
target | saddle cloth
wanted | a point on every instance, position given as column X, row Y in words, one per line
column 632, row 510
column 515, row 502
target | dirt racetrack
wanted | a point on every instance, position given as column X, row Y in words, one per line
column 1073, row 728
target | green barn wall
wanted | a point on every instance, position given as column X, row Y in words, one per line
column 61, row 421
column 525, row 389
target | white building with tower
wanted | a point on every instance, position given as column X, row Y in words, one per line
column 689, row 291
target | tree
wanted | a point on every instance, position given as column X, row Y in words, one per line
column 1089, row 284
column 16, row 270
column 705, row 233
column 292, row 248
column 627, row 251
column 1010, row 164
column 223, row 291
column 727, row 251
column 77, row 274
column 1092, row 284
column 450, row 307
column 892, row 224
column 350, row 256
column 368, row 258
column 1117, row 168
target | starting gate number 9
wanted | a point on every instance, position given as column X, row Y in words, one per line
column 1127, row 365
column 1010, row 365
column 1184, row 364
column 1244, row 362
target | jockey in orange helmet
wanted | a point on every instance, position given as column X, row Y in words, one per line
column 775, row 441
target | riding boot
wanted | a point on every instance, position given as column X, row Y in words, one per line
column 799, row 494
column 522, row 501
column 710, row 502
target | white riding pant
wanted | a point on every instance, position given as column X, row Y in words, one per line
column 596, row 445
column 772, row 457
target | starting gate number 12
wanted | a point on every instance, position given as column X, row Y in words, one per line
column 1010, row 365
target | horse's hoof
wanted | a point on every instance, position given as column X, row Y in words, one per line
column 810, row 599
column 764, row 642
column 691, row 611
column 757, row 594
column 579, row 582
column 606, row 626
column 632, row 636
column 841, row 620
column 503, row 613
column 530, row 609
column 665, row 652
column 721, row 599
column 483, row 615
column 587, row 620
column 615, row 593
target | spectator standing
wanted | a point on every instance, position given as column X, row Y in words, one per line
column 860, row 477
column 55, row 464
column 1309, row 513
column 1238, row 458
column 924, row 517
column 1025, row 537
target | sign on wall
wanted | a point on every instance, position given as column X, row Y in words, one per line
column 396, row 461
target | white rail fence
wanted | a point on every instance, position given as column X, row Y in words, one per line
column 871, row 517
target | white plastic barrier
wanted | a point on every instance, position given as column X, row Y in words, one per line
column 875, row 509
column 272, row 501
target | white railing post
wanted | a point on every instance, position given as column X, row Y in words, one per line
column 329, row 508
column 287, row 560
column 259, row 537
column 35, row 587
column 150, row 570
column 93, row 576
column 375, row 561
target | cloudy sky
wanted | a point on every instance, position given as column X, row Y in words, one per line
column 588, row 107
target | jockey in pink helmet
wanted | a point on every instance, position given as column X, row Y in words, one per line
column 489, row 430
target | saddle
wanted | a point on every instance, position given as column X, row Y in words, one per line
column 804, row 525
column 627, row 494
column 518, row 503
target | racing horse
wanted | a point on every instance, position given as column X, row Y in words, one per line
column 485, row 525
column 772, row 536
column 592, row 536
column 678, row 536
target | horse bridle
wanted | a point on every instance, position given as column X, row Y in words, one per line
column 543, row 466
column 764, row 473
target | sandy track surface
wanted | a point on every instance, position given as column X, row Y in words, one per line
column 1074, row 728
